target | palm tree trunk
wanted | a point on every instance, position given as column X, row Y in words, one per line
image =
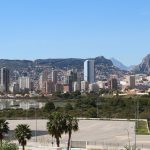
column 1, row 142
column 57, row 142
column 69, row 139
column 23, row 147
column 1, row 139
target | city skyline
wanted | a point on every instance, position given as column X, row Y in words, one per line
column 77, row 29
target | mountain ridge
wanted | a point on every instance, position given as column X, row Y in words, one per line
column 119, row 64
column 104, row 67
column 144, row 66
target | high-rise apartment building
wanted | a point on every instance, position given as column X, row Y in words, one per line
column 113, row 83
column 14, row 87
column 70, row 78
column 89, row 71
column 54, row 76
column 5, row 79
column 43, row 78
column 24, row 82
column 131, row 81
column 49, row 87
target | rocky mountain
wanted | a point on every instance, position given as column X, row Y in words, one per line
column 118, row 64
column 144, row 66
column 121, row 66
column 104, row 67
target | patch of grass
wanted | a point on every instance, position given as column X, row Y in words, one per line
column 142, row 128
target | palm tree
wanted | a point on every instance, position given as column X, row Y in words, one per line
column 4, row 129
column 71, row 124
column 55, row 126
column 23, row 133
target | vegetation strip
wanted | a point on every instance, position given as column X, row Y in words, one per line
column 142, row 128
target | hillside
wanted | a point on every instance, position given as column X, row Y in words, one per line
column 103, row 67
column 118, row 64
column 144, row 66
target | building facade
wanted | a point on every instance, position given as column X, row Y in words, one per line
column 54, row 76
column 24, row 82
column 5, row 79
column 131, row 81
column 89, row 71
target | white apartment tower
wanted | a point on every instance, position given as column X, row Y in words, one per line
column 89, row 71
column 54, row 76
column 24, row 82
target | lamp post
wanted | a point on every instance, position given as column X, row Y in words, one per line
column 135, row 134
column 128, row 137
column 136, row 119
column 35, row 125
column 97, row 108
column 27, row 108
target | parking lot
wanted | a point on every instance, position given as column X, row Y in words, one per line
column 97, row 132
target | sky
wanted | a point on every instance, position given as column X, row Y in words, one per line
column 32, row 29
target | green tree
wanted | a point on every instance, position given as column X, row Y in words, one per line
column 71, row 124
column 57, row 94
column 92, row 112
column 68, row 107
column 49, row 106
column 23, row 133
column 76, row 94
column 66, row 95
column 4, row 129
column 55, row 126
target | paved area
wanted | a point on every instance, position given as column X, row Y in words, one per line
column 143, row 141
column 98, row 132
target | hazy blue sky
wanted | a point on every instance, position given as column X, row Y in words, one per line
column 31, row 29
